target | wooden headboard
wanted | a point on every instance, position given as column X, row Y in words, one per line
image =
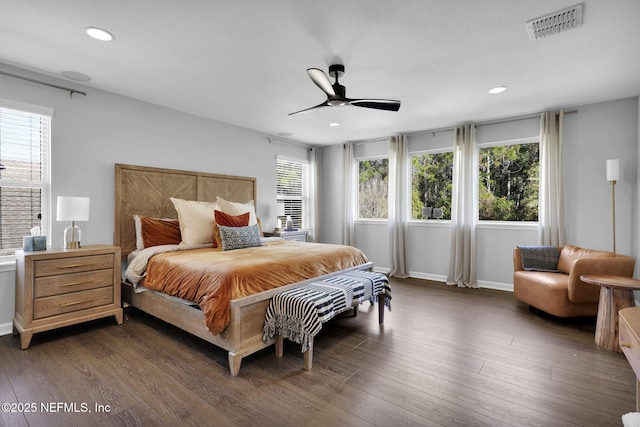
column 142, row 190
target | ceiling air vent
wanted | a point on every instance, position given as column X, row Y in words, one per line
column 556, row 22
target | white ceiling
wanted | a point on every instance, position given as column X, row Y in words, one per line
column 243, row 62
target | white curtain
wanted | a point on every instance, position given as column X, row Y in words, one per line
column 350, row 194
column 551, row 209
column 314, row 190
column 464, row 209
column 398, row 205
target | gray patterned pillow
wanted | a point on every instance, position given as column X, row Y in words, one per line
column 239, row 237
column 539, row 258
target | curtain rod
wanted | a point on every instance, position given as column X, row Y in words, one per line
column 66, row 89
column 518, row 118
column 488, row 122
column 287, row 142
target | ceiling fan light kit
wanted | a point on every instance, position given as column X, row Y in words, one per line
column 337, row 94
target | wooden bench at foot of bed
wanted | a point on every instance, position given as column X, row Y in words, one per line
column 243, row 335
column 308, row 355
column 299, row 313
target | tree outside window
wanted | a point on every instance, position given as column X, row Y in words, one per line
column 373, row 189
column 431, row 185
column 509, row 181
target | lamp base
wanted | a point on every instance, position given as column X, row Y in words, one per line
column 72, row 236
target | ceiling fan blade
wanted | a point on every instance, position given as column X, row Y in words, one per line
column 324, row 104
column 321, row 80
column 378, row 104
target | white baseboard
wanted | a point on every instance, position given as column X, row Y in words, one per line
column 508, row 287
column 481, row 283
column 426, row 276
column 6, row 328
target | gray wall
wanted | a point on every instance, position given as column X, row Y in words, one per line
column 90, row 134
column 595, row 133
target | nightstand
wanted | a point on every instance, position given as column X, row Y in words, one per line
column 300, row 235
column 62, row 287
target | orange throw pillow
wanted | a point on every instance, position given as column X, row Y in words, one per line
column 227, row 220
column 156, row 231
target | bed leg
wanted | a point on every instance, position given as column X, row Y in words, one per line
column 234, row 364
column 279, row 345
column 308, row 356
column 381, row 309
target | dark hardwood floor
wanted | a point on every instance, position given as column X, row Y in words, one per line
column 446, row 356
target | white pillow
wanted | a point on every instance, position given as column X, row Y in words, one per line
column 196, row 220
column 138, row 225
column 235, row 208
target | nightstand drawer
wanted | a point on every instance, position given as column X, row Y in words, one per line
column 629, row 342
column 60, row 304
column 298, row 237
column 72, row 265
column 67, row 283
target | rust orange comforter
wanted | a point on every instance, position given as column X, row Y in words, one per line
column 211, row 278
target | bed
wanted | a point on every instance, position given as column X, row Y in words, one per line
column 147, row 191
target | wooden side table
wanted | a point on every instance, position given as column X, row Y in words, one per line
column 630, row 342
column 62, row 287
column 616, row 293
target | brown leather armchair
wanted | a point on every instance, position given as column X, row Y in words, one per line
column 562, row 293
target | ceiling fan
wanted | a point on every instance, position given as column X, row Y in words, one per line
column 336, row 93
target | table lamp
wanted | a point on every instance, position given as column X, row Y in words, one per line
column 72, row 209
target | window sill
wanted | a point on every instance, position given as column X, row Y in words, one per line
column 430, row 223
column 7, row 263
column 487, row 225
column 507, row 225
column 371, row 221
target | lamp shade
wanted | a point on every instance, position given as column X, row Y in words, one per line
column 613, row 169
column 279, row 209
column 72, row 208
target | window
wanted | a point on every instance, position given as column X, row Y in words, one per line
column 509, row 178
column 373, row 188
column 24, row 175
column 431, row 182
column 291, row 187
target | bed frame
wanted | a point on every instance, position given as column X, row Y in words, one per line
column 146, row 191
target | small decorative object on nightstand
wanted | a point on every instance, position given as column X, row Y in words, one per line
column 59, row 287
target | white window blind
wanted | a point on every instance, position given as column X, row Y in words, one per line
column 291, row 189
column 24, row 175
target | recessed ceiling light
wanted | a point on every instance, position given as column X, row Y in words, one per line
column 498, row 89
column 99, row 34
column 334, row 124
column 74, row 75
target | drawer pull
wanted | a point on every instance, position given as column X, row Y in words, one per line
column 74, row 265
column 76, row 283
column 626, row 344
column 67, row 304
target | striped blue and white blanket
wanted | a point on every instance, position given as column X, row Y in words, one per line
column 298, row 314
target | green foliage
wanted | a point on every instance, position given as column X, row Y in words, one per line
column 431, row 183
column 373, row 189
column 509, row 182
